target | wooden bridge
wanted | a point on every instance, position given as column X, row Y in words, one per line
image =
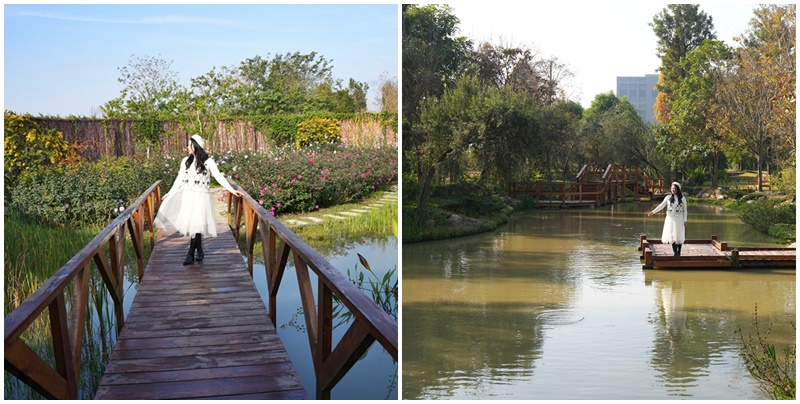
column 593, row 186
column 198, row 331
column 713, row 253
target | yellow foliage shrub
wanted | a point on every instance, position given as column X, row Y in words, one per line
column 27, row 146
column 318, row 130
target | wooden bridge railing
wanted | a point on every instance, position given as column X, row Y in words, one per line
column 592, row 185
column 370, row 323
column 67, row 336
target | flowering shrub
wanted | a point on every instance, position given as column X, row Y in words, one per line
column 288, row 180
column 283, row 181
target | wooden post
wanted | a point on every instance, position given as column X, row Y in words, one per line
column 324, row 335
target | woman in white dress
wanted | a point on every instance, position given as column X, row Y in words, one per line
column 675, row 223
column 188, row 207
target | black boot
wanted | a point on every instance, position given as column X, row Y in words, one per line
column 679, row 249
column 674, row 249
column 190, row 255
column 199, row 245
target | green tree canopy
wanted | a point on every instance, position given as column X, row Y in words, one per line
column 679, row 28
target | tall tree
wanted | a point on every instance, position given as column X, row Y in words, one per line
column 282, row 84
column 149, row 95
column 758, row 90
column 433, row 55
column 773, row 33
column 695, row 111
column 521, row 69
column 613, row 132
column 679, row 28
column 447, row 126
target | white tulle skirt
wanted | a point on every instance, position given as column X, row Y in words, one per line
column 674, row 230
column 189, row 212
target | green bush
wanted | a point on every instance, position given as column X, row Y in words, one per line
column 281, row 129
column 85, row 193
column 761, row 214
column 786, row 233
column 318, row 131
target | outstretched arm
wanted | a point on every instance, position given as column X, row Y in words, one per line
column 211, row 165
column 659, row 207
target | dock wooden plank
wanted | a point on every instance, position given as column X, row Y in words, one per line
column 714, row 254
column 199, row 331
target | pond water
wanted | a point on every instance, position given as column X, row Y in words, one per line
column 556, row 305
column 375, row 375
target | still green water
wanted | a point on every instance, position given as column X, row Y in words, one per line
column 556, row 305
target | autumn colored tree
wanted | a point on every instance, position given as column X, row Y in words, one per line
column 757, row 93
column 388, row 95
column 522, row 69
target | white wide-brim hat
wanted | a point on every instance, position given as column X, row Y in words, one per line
column 677, row 185
column 199, row 140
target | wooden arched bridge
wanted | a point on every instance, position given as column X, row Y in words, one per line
column 198, row 331
column 593, row 186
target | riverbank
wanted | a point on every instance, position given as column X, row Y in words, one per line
column 455, row 217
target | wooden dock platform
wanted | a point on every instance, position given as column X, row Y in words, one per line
column 713, row 254
column 198, row 331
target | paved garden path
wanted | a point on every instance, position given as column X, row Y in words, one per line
column 221, row 207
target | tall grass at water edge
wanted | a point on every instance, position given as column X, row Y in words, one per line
column 33, row 252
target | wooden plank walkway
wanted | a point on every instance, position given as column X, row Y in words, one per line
column 714, row 254
column 198, row 331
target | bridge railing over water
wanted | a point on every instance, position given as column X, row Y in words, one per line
column 370, row 323
column 592, row 186
column 67, row 329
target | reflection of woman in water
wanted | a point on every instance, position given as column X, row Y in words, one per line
column 675, row 223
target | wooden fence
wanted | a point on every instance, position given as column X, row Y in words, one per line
column 97, row 138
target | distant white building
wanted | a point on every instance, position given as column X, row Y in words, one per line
column 641, row 93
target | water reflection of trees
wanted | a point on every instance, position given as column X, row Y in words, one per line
column 451, row 348
column 487, row 328
column 697, row 323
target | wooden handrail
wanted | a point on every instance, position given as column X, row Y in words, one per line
column 20, row 359
column 581, row 177
column 611, row 183
column 370, row 323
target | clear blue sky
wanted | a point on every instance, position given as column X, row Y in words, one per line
column 62, row 60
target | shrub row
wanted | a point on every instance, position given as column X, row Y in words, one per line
column 288, row 180
column 83, row 193
column 285, row 180
column 773, row 216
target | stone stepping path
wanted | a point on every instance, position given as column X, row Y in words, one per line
column 390, row 197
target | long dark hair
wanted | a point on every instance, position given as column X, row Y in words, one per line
column 679, row 194
column 201, row 158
